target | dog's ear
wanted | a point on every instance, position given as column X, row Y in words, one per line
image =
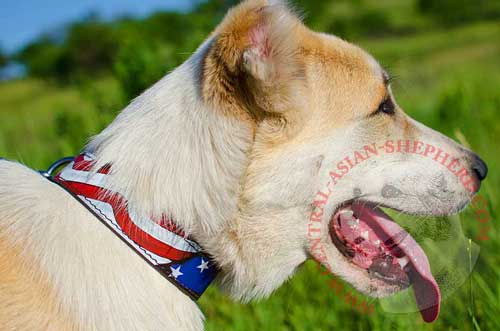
column 255, row 49
column 271, row 46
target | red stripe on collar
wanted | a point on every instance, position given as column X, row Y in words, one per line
column 161, row 243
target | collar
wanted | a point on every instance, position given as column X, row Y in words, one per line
column 163, row 245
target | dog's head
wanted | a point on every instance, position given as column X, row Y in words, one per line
column 331, row 147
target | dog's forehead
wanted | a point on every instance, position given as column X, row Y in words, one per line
column 336, row 52
column 345, row 80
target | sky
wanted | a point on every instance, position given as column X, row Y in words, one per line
column 21, row 21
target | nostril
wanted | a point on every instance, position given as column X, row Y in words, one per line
column 480, row 168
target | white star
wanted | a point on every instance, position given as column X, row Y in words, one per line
column 203, row 266
column 176, row 272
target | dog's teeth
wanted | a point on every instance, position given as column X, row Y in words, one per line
column 365, row 235
column 353, row 224
column 403, row 261
column 377, row 242
column 347, row 213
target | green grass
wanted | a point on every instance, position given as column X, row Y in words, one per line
column 41, row 121
column 447, row 79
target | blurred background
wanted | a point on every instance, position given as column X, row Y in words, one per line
column 68, row 67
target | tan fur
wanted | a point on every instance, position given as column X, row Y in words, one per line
column 27, row 299
column 321, row 62
column 338, row 89
column 228, row 83
column 234, row 145
column 223, row 78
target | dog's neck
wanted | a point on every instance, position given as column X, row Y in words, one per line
column 173, row 154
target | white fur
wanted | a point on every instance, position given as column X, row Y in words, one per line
column 189, row 165
column 173, row 154
column 190, row 158
column 97, row 277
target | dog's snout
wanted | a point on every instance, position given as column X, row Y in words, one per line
column 479, row 167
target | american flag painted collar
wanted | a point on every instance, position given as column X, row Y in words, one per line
column 160, row 243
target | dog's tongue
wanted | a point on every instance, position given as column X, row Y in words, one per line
column 427, row 294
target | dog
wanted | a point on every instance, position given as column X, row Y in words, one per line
column 234, row 146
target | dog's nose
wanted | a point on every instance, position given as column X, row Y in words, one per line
column 479, row 167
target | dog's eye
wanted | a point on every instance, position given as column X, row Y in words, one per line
column 387, row 107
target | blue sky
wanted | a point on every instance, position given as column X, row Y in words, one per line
column 23, row 20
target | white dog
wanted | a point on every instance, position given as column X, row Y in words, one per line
column 235, row 149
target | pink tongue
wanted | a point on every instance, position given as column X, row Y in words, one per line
column 425, row 287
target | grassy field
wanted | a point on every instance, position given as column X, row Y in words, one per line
column 447, row 79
